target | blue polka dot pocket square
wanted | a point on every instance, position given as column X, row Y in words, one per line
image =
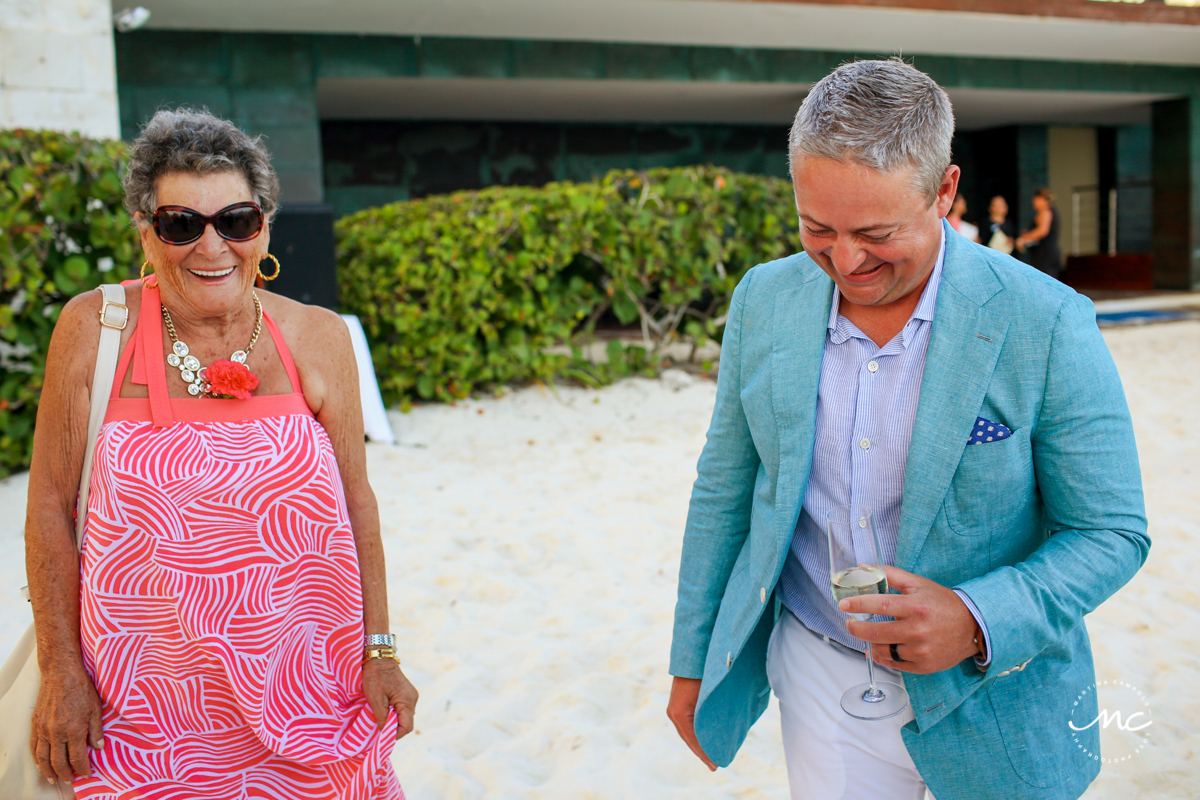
column 987, row 431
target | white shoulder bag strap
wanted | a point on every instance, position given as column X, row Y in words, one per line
column 114, row 316
column 20, row 678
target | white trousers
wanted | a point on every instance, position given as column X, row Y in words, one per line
column 830, row 754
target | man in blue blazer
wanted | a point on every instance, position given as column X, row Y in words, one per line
column 972, row 403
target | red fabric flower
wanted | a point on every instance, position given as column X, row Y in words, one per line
column 230, row 380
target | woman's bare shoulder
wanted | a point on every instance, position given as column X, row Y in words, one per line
column 81, row 305
column 76, row 336
column 78, row 327
column 312, row 333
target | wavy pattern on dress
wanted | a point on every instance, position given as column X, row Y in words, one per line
column 221, row 618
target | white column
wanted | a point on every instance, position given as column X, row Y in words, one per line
column 57, row 66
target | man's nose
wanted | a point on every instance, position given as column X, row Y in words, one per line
column 846, row 255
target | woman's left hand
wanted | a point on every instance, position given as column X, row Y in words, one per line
column 386, row 687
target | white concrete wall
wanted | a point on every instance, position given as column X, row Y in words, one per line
column 57, row 66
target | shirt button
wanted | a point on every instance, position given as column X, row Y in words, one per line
column 873, row 366
column 865, row 444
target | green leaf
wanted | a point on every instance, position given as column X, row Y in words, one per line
column 77, row 267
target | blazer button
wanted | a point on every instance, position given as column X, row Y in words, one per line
column 762, row 594
column 729, row 661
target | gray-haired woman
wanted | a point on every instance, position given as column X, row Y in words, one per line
column 211, row 643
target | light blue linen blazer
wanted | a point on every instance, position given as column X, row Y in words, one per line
column 1038, row 529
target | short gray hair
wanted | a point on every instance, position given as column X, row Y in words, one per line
column 196, row 142
column 886, row 115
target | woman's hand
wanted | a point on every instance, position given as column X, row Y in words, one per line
column 66, row 720
column 386, row 687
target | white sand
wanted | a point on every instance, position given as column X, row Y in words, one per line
column 533, row 551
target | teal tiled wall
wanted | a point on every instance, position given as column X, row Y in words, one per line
column 265, row 84
column 1176, row 175
column 374, row 162
column 1033, row 170
column 1134, row 197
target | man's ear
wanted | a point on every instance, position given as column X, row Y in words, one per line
column 947, row 190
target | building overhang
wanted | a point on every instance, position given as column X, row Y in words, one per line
column 729, row 23
column 658, row 101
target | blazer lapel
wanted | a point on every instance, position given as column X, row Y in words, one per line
column 964, row 346
column 801, row 316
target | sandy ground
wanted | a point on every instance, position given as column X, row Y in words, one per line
column 533, row 543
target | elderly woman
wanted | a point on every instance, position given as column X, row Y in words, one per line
column 213, row 643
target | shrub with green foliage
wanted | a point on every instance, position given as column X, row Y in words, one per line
column 62, row 231
column 469, row 289
column 474, row 289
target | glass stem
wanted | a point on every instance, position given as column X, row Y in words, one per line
column 874, row 694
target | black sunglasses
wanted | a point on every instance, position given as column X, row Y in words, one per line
column 239, row 222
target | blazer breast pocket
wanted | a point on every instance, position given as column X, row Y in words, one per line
column 993, row 480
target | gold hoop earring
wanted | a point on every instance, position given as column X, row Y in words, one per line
column 277, row 268
column 144, row 277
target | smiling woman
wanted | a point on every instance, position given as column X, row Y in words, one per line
column 223, row 635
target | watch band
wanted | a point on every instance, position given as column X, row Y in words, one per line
column 379, row 640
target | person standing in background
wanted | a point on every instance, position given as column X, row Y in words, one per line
column 1000, row 230
column 1042, row 241
column 955, row 218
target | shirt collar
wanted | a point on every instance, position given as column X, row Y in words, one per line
column 840, row 329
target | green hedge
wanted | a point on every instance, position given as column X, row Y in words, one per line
column 62, row 232
column 472, row 290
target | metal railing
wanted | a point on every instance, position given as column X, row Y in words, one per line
column 1085, row 220
column 1087, row 208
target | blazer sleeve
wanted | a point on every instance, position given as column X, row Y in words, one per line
column 1086, row 466
column 719, row 514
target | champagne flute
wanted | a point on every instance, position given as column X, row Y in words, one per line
column 856, row 568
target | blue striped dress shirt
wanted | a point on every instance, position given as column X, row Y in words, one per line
column 866, row 403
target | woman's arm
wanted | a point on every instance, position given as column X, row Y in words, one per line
column 1041, row 228
column 334, row 387
column 67, row 715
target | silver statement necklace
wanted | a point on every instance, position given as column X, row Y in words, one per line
column 189, row 366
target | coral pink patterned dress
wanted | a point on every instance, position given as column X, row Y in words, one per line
column 221, row 600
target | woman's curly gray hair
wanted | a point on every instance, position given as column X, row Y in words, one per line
column 196, row 142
